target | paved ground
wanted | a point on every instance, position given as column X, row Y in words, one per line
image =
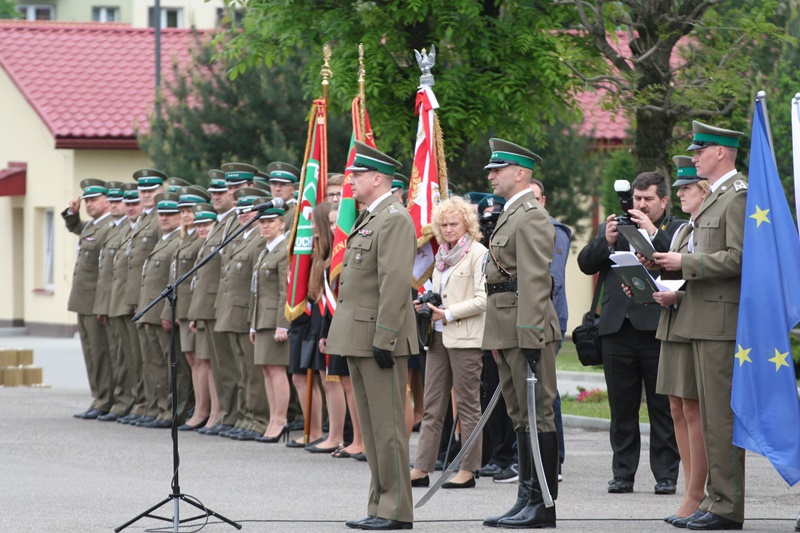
column 59, row 474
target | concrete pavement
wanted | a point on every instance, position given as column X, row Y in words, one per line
column 59, row 474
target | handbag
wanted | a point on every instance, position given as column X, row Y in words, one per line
column 587, row 336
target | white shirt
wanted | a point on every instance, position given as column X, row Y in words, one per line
column 716, row 184
column 514, row 199
column 165, row 237
column 275, row 242
column 378, row 200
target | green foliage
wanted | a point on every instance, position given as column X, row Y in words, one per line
column 8, row 10
column 207, row 119
column 496, row 67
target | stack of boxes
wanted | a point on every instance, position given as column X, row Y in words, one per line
column 16, row 368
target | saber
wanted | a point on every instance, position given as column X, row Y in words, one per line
column 464, row 449
column 537, row 456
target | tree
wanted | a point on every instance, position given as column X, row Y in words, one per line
column 8, row 9
column 207, row 119
column 688, row 60
column 496, row 68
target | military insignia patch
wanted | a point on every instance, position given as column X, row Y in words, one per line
column 392, row 209
column 739, row 185
column 365, row 232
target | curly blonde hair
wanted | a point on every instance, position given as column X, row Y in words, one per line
column 452, row 207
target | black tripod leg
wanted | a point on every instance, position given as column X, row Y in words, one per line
column 210, row 513
column 146, row 514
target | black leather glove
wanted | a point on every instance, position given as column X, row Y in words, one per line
column 383, row 358
column 532, row 355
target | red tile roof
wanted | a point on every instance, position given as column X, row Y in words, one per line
column 91, row 83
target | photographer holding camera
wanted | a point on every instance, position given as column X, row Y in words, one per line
column 456, row 306
column 627, row 332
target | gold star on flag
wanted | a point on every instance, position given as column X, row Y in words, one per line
column 760, row 216
column 742, row 355
column 779, row 359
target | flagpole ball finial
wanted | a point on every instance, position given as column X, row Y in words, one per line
column 426, row 61
column 761, row 94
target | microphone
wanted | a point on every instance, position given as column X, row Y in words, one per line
column 275, row 202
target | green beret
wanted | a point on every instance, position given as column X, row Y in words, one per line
column 705, row 135
column 369, row 159
column 506, row 153
column 167, row 202
column 149, row 178
column 238, row 173
column 93, row 188
column 283, row 172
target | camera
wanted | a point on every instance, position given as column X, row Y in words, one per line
column 487, row 222
column 623, row 189
column 427, row 299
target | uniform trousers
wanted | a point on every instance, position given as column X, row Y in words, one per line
column 630, row 358
column 513, row 369
column 150, row 352
column 725, row 483
column 95, row 357
column 223, row 369
column 498, row 433
column 133, row 364
column 446, row 369
column 380, row 396
column 118, row 344
column 252, row 392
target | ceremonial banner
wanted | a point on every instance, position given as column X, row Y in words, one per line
column 312, row 186
column 348, row 208
column 428, row 182
column 796, row 154
column 764, row 391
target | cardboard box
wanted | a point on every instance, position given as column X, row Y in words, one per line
column 24, row 357
column 8, row 357
column 12, row 376
column 31, row 375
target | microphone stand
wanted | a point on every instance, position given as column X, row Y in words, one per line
column 176, row 496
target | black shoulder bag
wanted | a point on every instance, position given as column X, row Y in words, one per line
column 587, row 336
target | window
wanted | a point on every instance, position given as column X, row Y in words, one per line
column 37, row 12
column 49, row 243
column 105, row 14
column 228, row 17
column 171, row 17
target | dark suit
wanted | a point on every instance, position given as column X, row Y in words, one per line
column 375, row 309
column 709, row 315
column 630, row 357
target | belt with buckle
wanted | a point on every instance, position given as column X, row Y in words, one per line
column 503, row 286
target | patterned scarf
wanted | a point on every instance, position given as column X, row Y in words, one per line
column 447, row 257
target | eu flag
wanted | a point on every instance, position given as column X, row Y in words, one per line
column 764, row 395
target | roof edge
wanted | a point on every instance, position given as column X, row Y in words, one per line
column 78, row 143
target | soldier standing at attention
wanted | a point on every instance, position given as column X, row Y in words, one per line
column 84, row 286
column 521, row 323
column 375, row 327
column 119, row 375
column 713, row 272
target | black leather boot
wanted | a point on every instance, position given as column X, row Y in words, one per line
column 525, row 480
column 535, row 515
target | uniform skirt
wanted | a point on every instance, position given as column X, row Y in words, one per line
column 188, row 337
column 268, row 351
column 676, row 375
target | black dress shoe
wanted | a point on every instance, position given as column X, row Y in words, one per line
column 94, row 414
column 384, row 524
column 665, row 486
column 713, row 522
column 160, row 423
column 359, row 457
column 128, row 419
column 109, row 417
column 680, row 523
column 354, row 524
column 313, row 448
column 670, row 518
column 143, row 421
column 423, row 481
column 231, row 433
column 248, row 434
column 620, row 486
column 81, row 415
column 295, row 444
column 468, row 484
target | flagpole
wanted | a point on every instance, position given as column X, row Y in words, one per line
column 761, row 97
column 362, row 94
column 796, row 155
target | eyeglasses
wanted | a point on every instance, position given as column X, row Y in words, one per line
column 333, row 195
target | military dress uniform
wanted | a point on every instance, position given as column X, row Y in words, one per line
column 205, row 287
column 520, row 315
column 81, row 300
column 374, row 311
column 713, row 279
column 156, row 355
column 120, row 313
column 232, row 306
column 110, row 246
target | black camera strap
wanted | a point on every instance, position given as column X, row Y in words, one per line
column 497, row 263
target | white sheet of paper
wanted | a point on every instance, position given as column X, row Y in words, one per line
column 669, row 284
column 624, row 258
